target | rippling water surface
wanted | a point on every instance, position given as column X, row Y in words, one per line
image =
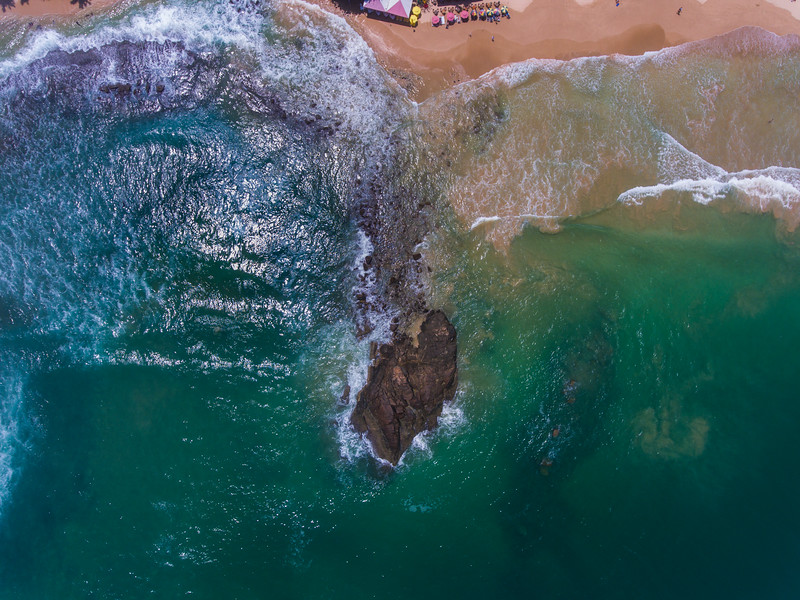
column 177, row 323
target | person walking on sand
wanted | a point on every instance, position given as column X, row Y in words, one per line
column 679, row 11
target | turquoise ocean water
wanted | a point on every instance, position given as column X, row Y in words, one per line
column 177, row 321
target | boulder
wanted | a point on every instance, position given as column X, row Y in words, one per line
column 408, row 383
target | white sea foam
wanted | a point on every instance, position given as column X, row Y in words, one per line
column 483, row 220
column 453, row 418
column 199, row 25
column 765, row 193
column 584, row 126
column 451, row 423
column 773, row 189
column 352, row 445
column 511, row 218
column 374, row 310
column 703, row 191
column 586, row 72
column 333, row 70
column 355, row 353
column 11, row 437
column 675, row 162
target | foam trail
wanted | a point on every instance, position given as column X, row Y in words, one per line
column 331, row 47
column 677, row 162
column 11, row 437
column 483, row 220
column 355, row 88
column 762, row 189
column 51, row 239
column 375, row 312
column 200, row 26
column 523, row 217
column 352, row 445
column 451, row 422
column 773, row 189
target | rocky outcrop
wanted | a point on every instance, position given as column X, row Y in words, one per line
column 408, row 383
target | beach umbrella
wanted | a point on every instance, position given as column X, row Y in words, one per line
column 496, row 12
column 392, row 8
column 434, row 20
column 450, row 17
column 482, row 14
column 464, row 15
column 416, row 10
column 413, row 20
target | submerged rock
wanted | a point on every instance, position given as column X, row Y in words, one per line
column 408, row 383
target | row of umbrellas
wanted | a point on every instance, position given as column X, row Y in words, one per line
column 450, row 17
column 415, row 12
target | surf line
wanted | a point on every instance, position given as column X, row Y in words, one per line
column 494, row 219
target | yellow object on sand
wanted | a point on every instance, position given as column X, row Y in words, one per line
column 416, row 11
column 413, row 20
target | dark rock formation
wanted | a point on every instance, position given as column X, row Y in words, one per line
column 344, row 399
column 407, row 385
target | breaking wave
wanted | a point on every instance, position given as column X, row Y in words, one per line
column 210, row 150
column 544, row 140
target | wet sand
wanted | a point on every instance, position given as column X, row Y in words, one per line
column 427, row 59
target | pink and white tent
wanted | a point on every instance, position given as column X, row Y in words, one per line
column 398, row 8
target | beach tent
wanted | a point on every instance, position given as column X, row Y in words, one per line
column 398, row 8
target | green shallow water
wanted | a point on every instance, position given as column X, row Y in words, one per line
column 671, row 474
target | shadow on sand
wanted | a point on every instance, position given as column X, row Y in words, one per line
column 352, row 7
column 9, row 4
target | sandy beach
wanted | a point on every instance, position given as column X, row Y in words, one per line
column 427, row 59
column 45, row 8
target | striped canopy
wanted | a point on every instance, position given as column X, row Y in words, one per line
column 399, row 8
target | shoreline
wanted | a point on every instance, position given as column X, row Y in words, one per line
column 426, row 60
